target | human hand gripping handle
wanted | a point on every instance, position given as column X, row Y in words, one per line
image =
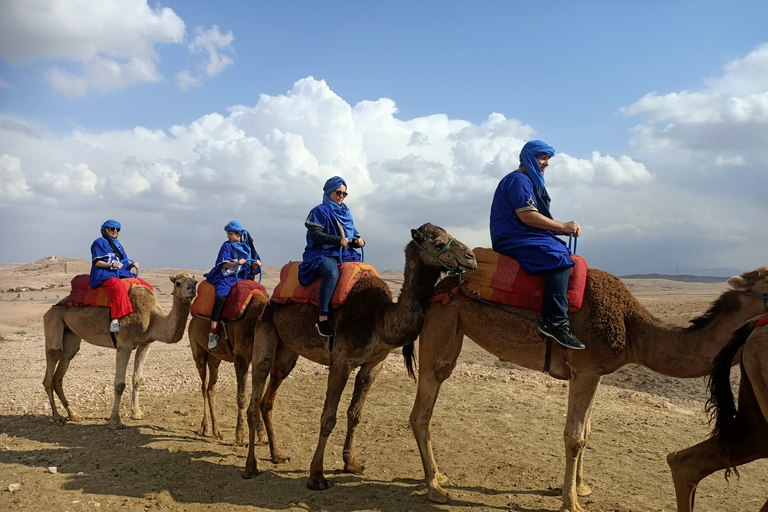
column 256, row 263
column 355, row 243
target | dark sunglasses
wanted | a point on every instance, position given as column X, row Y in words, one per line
column 340, row 193
column 114, row 229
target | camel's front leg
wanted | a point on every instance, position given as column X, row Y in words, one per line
column 213, row 371
column 241, row 372
column 365, row 377
column 437, row 359
column 581, row 397
column 582, row 489
column 285, row 360
column 338, row 374
column 264, row 342
column 121, row 365
column 138, row 379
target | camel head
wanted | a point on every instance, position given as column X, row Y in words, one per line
column 755, row 281
column 184, row 286
column 438, row 248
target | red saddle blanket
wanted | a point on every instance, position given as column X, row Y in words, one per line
column 83, row 295
column 238, row 299
column 289, row 289
column 499, row 278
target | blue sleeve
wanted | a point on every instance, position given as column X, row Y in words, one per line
column 226, row 253
column 100, row 249
column 519, row 193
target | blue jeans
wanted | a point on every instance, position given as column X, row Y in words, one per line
column 555, row 303
column 329, row 271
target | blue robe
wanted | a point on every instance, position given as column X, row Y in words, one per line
column 225, row 278
column 101, row 250
column 537, row 250
column 314, row 254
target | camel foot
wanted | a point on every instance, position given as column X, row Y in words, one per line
column 217, row 434
column 583, row 489
column 250, row 471
column 240, row 440
column 74, row 417
column 262, row 440
column 573, row 508
column 437, row 495
column 442, row 479
column 118, row 425
column 318, row 483
column 279, row 458
column 138, row 415
column 353, row 467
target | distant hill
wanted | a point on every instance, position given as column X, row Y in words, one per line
column 681, row 278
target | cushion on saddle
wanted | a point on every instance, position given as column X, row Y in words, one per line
column 237, row 300
column 83, row 295
column 764, row 321
column 499, row 278
column 289, row 289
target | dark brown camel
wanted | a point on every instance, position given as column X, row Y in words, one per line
column 368, row 327
column 616, row 329
column 740, row 435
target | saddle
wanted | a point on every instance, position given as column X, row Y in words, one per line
column 499, row 278
column 83, row 295
column 237, row 300
column 290, row 290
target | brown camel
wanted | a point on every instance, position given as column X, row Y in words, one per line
column 65, row 326
column 240, row 335
column 368, row 327
column 739, row 436
column 616, row 329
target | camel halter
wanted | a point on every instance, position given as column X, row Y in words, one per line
column 451, row 270
column 763, row 296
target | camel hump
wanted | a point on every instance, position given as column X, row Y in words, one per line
column 499, row 278
column 237, row 300
column 290, row 290
column 83, row 295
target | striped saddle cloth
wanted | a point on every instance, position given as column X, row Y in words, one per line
column 83, row 295
column 237, row 300
column 289, row 289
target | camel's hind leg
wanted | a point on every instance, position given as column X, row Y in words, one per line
column 213, row 372
column 200, row 356
column 121, row 366
column 338, row 373
column 690, row 466
column 265, row 341
column 241, row 372
column 285, row 360
column 365, row 377
column 439, row 348
column 57, row 364
column 142, row 351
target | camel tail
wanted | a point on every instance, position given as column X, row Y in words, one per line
column 409, row 357
column 721, row 406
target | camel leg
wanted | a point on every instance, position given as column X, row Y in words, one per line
column 365, row 377
column 582, row 489
column 241, row 372
column 338, row 374
column 213, row 371
column 57, row 364
column 54, row 334
column 138, row 379
column 121, row 366
column 437, row 359
column 285, row 360
column 581, row 397
column 200, row 356
column 264, row 343
column 690, row 466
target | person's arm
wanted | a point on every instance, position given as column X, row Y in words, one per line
column 318, row 236
column 104, row 264
column 534, row 219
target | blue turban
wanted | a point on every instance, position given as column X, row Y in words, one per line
column 333, row 184
column 528, row 155
column 340, row 211
column 234, row 226
column 116, row 246
column 109, row 224
column 244, row 247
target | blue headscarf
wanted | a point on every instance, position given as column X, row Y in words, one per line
column 115, row 244
column 528, row 155
column 340, row 211
column 244, row 247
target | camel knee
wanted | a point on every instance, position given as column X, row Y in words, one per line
column 119, row 388
column 576, row 446
column 263, row 368
column 327, row 427
column 138, row 383
column 442, row 371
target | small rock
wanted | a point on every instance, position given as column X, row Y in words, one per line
column 53, row 470
column 14, row 487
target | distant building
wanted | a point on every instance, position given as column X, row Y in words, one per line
column 50, row 257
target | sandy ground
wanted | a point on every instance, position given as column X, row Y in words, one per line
column 497, row 429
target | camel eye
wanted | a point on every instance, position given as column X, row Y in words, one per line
column 178, row 284
column 439, row 244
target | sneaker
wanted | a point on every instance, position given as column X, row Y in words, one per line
column 213, row 340
column 562, row 333
column 114, row 325
column 325, row 328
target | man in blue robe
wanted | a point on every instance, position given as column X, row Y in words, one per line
column 522, row 227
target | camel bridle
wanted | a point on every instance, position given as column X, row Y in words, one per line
column 763, row 296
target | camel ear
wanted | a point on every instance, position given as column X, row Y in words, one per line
column 737, row 282
column 169, row 277
column 416, row 235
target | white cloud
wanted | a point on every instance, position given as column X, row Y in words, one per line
column 75, row 181
column 185, row 81
column 13, row 182
column 213, row 44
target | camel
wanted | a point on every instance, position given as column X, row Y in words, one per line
column 65, row 326
column 368, row 326
column 739, row 436
column 240, row 334
column 614, row 326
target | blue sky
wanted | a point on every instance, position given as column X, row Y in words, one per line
column 176, row 117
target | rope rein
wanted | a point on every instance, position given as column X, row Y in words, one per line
column 763, row 296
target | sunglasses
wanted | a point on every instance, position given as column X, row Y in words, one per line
column 113, row 229
column 340, row 193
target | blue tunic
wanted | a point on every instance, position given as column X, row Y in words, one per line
column 314, row 254
column 225, row 278
column 537, row 250
column 101, row 250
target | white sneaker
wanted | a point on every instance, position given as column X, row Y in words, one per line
column 213, row 340
column 114, row 326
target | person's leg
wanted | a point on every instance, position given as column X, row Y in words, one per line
column 213, row 334
column 119, row 302
column 555, row 308
column 329, row 272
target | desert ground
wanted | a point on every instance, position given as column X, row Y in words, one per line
column 497, row 429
